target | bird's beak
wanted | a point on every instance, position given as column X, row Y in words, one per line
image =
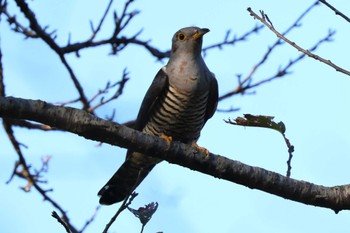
column 200, row 33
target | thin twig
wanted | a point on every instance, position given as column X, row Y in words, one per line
column 32, row 179
column 2, row 82
column 127, row 201
column 63, row 103
column 61, row 221
column 88, row 222
column 279, row 35
column 34, row 25
column 94, row 32
column 279, row 41
column 119, row 43
column 15, row 25
column 30, row 125
column 234, row 39
column 336, row 11
column 245, row 84
column 119, row 92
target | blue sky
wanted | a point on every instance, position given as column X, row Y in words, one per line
column 312, row 102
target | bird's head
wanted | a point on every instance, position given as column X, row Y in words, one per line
column 188, row 40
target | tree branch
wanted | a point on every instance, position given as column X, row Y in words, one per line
column 234, row 39
column 95, row 31
column 336, row 11
column 91, row 127
column 32, row 179
column 120, row 84
column 14, row 24
column 264, row 20
column 246, row 83
column 35, row 26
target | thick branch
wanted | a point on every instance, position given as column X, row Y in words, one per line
column 91, row 127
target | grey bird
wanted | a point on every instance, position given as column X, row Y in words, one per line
column 180, row 100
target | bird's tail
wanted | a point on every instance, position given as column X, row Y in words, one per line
column 135, row 168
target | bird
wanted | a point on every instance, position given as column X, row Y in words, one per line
column 178, row 103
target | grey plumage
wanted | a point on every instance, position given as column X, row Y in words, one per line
column 181, row 98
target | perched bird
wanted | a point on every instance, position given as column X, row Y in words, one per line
column 181, row 98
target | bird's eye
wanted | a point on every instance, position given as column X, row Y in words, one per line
column 181, row 36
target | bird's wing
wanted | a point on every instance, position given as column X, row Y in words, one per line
column 212, row 97
column 136, row 166
column 159, row 84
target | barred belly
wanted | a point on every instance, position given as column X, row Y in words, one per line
column 179, row 115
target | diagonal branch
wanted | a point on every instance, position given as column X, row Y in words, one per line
column 35, row 26
column 336, row 11
column 307, row 52
column 91, row 127
column 95, row 31
column 121, row 84
column 32, row 179
column 245, row 84
column 279, row 41
column 14, row 24
column 234, row 39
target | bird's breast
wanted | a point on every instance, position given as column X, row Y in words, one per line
column 179, row 114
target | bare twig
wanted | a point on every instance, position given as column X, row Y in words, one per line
column 117, row 42
column 30, row 125
column 245, row 84
column 25, row 172
column 63, row 103
column 61, row 221
column 118, row 92
column 88, row 222
column 279, row 41
column 47, row 37
column 95, row 31
column 336, row 11
column 66, row 225
column 32, row 181
column 125, row 204
column 234, row 39
column 15, row 25
column 120, row 42
column 122, row 21
column 283, row 71
column 20, row 171
column 127, row 201
column 2, row 83
column 279, row 35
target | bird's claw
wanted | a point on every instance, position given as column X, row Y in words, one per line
column 167, row 138
column 203, row 149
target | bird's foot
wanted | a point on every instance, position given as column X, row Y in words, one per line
column 203, row 149
column 167, row 138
